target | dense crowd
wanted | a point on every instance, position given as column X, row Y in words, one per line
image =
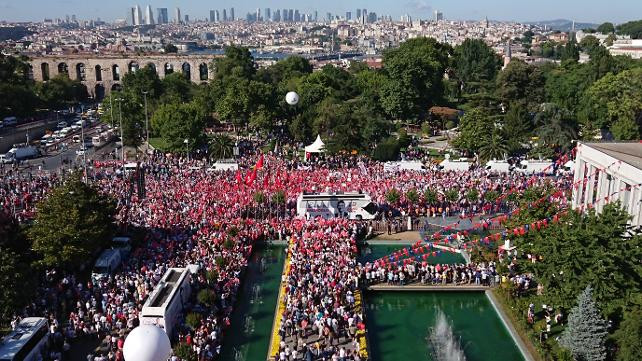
column 193, row 216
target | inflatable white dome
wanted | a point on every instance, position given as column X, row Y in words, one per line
column 292, row 98
column 147, row 343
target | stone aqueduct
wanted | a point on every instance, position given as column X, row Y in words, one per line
column 102, row 74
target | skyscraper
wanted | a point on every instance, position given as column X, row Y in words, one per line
column 131, row 16
column 178, row 16
column 258, row 14
column 138, row 16
column 267, row 15
column 163, row 18
column 290, row 15
column 348, row 15
column 438, row 15
column 328, row 17
column 224, row 15
column 358, row 14
column 149, row 15
column 284, row 15
column 297, row 16
column 232, row 18
column 186, row 19
column 277, row 16
column 211, row 16
column 316, row 16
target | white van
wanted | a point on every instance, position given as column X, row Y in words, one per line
column 123, row 244
column 107, row 263
column 392, row 167
column 223, row 165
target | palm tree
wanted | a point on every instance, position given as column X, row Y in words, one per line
column 220, row 146
column 556, row 127
column 495, row 147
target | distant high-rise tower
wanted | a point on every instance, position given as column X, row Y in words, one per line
column 138, row 16
column 224, row 15
column 348, row 16
column 486, row 22
column 232, row 18
column 258, row 14
column 358, row 14
column 163, row 18
column 316, row 16
column 149, row 15
column 267, row 15
column 211, row 16
column 438, row 15
column 178, row 16
column 131, row 16
column 328, row 17
column 290, row 14
column 186, row 19
column 297, row 16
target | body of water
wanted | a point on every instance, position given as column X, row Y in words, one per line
column 248, row 338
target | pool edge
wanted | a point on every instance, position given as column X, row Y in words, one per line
column 509, row 327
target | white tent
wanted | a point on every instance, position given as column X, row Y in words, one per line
column 317, row 147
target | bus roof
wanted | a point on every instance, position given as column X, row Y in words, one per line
column 15, row 341
column 336, row 195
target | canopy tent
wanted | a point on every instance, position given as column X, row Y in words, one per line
column 317, row 147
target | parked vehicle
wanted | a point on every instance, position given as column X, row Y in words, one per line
column 9, row 122
column 107, row 263
column 20, row 152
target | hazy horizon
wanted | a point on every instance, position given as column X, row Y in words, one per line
column 590, row 11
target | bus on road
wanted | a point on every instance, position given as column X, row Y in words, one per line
column 26, row 342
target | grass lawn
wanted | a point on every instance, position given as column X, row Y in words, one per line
column 158, row 143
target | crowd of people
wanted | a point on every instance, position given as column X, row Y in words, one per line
column 193, row 216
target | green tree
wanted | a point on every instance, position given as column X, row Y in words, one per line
column 220, row 147
column 494, row 147
column 412, row 196
column 176, row 89
column 393, row 196
column 475, row 128
column 516, row 127
column 616, row 98
column 237, row 63
column 632, row 28
column 555, row 126
column 73, row 223
column 475, row 63
column 571, row 51
column 17, row 94
column 387, row 150
column 452, row 195
column 415, row 71
column 17, row 282
column 177, row 122
column 629, row 335
column 206, row 297
column 606, row 28
column 430, row 196
column 60, row 91
column 520, row 83
column 170, row 48
column 586, row 332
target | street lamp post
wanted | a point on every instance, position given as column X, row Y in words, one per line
column 186, row 141
column 111, row 109
column 146, row 120
column 122, row 139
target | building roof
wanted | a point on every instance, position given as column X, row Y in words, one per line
column 630, row 153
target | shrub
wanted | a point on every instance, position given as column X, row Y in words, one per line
column 393, row 196
column 388, row 150
column 206, row 297
column 184, row 352
column 193, row 320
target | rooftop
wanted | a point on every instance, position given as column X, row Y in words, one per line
column 630, row 153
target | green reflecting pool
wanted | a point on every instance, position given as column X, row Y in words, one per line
column 378, row 251
column 249, row 335
column 399, row 323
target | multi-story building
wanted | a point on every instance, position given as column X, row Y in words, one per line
column 149, row 15
column 163, row 18
column 178, row 18
column 232, row 18
column 348, row 15
column 138, row 16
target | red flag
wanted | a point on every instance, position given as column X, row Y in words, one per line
column 259, row 164
column 251, row 176
column 266, row 179
column 239, row 179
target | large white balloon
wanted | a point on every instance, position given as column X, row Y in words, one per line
column 147, row 343
column 292, row 98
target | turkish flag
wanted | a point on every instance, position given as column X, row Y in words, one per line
column 251, row 176
column 239, row 179
column 259, row 164
column 266, row 179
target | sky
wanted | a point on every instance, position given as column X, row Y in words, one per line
column 595, row 11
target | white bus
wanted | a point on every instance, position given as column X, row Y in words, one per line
column 26, row 342
column 168, row 300
column 351, row 205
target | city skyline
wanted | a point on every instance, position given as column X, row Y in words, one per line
column 504, row 10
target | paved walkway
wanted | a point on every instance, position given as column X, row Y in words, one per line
column 422, row 288
column 413, row 236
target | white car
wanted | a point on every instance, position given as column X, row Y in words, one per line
column 80, row 151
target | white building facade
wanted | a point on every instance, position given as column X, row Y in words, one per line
column 609, row 172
